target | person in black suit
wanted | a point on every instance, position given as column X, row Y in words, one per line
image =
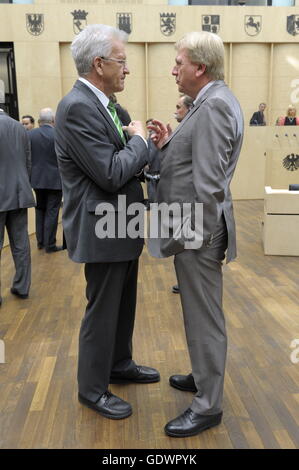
column 15, row 198
column 258, row 118
column 46, row 181
column 98, row 166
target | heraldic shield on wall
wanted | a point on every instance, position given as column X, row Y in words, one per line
column 124, row 22
column 167, row 23
column 79, row 20
column 291, row 162
column 210, row 23
column 293, row 24
column 35, row 23
column 252, row 24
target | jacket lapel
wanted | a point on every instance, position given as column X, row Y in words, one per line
column 193, row 110
column 90, row 95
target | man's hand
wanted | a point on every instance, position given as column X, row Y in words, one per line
column 135, row 128
column 160, row 133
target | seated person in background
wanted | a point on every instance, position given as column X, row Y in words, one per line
column 290, row 119
column 258, row 118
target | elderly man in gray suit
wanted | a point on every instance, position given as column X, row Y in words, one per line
column 97, row 165
column 15, row 197
column 198, row 162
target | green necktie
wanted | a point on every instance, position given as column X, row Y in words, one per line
column 116, row 120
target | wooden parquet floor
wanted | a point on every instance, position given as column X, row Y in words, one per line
column 38, row 390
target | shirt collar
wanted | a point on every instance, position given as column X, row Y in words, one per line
column 100, row 95
column 202, row 91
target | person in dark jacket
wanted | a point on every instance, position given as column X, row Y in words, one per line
column 15, row 198
column 258, row 118
column 46, row 182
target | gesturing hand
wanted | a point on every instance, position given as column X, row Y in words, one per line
column 160, row 133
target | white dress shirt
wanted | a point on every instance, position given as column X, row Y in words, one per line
column 103, row 99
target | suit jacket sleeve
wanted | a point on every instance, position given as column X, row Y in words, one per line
column 254, row 120
column 213, row 137
column 95, row 150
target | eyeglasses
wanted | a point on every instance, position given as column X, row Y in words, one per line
column 122, row 62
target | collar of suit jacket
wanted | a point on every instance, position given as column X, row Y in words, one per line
column 106, row 115
column 202, row 98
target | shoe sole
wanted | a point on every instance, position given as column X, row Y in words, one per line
column 134, row 381
column 183, row 389
column 106, row 415
column 20, row 296
column 193, row 433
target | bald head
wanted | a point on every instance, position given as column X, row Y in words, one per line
column 46, row 116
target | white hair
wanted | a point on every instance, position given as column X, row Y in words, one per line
column 207, row 49
column 46, row 115
column 96, row 40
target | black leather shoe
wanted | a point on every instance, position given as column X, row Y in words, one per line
column 109, row 406
column 190, row 424
column 175, row 289
column 17, row 293
column 140, row 374
column 53, row 249
column 40, row 246
column 183, row 382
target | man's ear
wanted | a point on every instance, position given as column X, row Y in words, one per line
column 201, row 70
column 98, row 65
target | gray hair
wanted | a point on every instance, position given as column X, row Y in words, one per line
column 188, row 101
column 94, row 41
column 46, row 116
column 207, row 49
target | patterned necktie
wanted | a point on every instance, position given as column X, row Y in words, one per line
column 116, row 120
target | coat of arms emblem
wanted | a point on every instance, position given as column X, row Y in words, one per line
column 291, row 162
column 293, row 24
column 252, row 24
column 210, row 23
column 79, row 20
column 167, row 23
column 35, row 23
column 124, row 22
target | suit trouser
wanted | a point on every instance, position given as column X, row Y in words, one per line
column 48, row 202
column 16, row 223
column 199, row 274
column 105, row 339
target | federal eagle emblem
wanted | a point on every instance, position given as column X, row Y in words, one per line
column 35, row 23
column 291, row 162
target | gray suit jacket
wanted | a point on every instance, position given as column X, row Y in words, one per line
column 95, row 167
column 15, row 166
column 198, row 162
